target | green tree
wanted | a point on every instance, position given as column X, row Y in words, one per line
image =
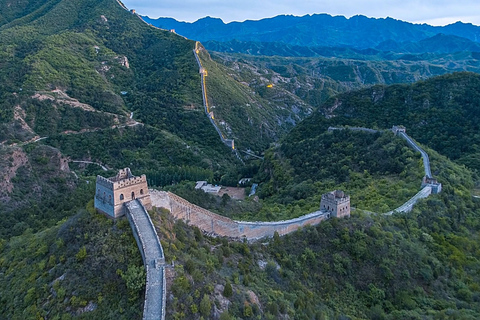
column 82, row 254
column 228, row 291
column 205, row 306
column 134, row 277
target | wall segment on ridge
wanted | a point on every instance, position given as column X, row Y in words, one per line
column 153, row 259
column 216, row 224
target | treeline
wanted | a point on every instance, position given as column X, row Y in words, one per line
column 162, row 177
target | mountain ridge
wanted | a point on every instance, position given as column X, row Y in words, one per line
column 315, row 30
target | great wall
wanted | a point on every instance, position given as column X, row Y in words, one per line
column 217, row 225
column 148, row 241
column 153, row 260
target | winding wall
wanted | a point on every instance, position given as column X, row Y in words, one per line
column 426, row 190
column 153, row 259
column 219, row 225
column 203, row 72
column 414, row 145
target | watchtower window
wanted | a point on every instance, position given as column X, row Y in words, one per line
column 110, row 199
column 141, row 191
column 133, row 195
column 122, row 197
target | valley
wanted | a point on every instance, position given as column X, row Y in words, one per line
column 88, row 87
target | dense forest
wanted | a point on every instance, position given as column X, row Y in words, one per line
column 378, row 170
column 88, row 80
column 420, row 265
column 83, row 267
column 441, row 112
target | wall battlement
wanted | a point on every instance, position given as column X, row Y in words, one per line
column 104, row 182
column 216, row 224
column 129, row 181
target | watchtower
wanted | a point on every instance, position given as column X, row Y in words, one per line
column 398, row 129
column 436, row 186
column 336, row 203
column 113, row 192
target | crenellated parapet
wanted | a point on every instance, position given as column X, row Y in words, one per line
column 105, row 182
column 216, row 224
column 129, row 182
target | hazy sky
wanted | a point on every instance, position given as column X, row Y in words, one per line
column 435, row 12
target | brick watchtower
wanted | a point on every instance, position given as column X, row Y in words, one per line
column 336, row 203
column 113, row 192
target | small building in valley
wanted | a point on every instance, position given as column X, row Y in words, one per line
column 206, row 187
column 112, row 193
column 336, row 204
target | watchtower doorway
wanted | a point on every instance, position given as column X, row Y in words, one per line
column 133, row 195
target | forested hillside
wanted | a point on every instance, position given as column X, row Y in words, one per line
column 85, row 80
column 442, row 112
column 254, row 120
column 420, row 265
column 98, row 84
column 314, row 80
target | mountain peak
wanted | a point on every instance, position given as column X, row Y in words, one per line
column 210, row 20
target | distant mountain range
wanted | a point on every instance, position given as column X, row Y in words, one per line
column 323, row 31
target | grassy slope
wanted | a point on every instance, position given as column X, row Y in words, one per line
column 91, row 51
column 82, row 47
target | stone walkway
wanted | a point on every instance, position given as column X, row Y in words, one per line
column 414, row 145
column 408, row 206
column 153, row 259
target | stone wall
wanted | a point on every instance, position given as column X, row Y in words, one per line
column 416, row 147
column 153, row 259
column 408, row 206
column 219, row 225
column 104, row 197
column 213, row 223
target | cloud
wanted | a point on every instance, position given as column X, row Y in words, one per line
column 438, row 12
